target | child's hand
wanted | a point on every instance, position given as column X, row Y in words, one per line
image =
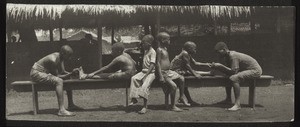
column 198, row 76
column 75, row 71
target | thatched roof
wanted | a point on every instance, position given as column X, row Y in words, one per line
column 120, row 14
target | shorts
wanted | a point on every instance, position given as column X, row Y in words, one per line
column 241, row 76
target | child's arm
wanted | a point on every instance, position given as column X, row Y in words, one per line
column 111, row 64
column 158, row 67
column 199, row 63
column 230, row 71
column 186, row 61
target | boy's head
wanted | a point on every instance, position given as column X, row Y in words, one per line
column 190, row 47
column 163, row 38
column 147, row 41
column 117, row 49
column 221, row 48
column 66, row 52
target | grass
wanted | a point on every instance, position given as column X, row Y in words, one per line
column 274, row 103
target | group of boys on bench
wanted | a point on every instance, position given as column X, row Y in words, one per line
column 156, row 64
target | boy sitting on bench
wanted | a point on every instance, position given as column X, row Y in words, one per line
column 165, row 75
column 182, row 65
column 238, row 66
column 140, row 83
column 122, row 61
column 50, row 70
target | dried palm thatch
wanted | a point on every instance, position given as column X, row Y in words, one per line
column 21, row 12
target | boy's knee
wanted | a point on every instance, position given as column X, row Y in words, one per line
column 181, row 78
column 234, row 78
column 58, row 81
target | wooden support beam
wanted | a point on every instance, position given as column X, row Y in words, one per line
column 146, row 29
column 99, row 38
column 60, row 30
column 51, row 31
column 112, row 34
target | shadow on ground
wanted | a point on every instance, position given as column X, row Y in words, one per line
column 128, row 109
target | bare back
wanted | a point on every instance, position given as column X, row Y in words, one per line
column 126, row 63
column 51, row 62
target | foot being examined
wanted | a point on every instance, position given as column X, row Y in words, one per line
column 65, row 113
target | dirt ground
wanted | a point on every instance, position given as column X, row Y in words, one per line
column 273, row 104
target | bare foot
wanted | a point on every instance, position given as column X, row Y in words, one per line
column 133, row 101
column 176, row 109
column 224, row 102
column 193, row 103
column 234, row 108
column 65, row 113
column 184, row 102
column 74, row 108
column 143, row 111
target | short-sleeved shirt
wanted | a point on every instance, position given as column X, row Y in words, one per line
column 242, row 62
column 149, row 57
column 178, row 63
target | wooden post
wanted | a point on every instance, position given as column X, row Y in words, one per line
column 252, row 94
column 35, row 100
column 99, row 38
column 215, row 27
column 146, row 29
column 112, row 34
column 51, row 31
column 158, row 22
column 178, row 30
column 60, row 29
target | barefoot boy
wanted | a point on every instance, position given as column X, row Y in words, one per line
column 122, row 61
column 140, row 83
column 165, row 75
column 238, row 66
column 182, row 65
column 51, row 70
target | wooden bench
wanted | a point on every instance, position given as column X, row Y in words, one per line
column 76, row 84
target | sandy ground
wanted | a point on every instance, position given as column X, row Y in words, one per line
column 274, row 103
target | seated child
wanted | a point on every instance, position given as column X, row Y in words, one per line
column 140, row 83
column 182, row 65
column 165, row 75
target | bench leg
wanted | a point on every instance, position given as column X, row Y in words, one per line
column 35, row 100
column 252, row 94
column 127, row 96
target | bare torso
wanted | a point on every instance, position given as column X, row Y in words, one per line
column 51, row 62
column 126, row 63
column 164, row 61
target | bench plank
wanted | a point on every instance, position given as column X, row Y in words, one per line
column 191, row 81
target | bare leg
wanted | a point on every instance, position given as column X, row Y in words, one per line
column 237, row 106
column 144, row 109
column 181, row 91
column 189, row 98
column 173, row 95
column 227, row 100
column 71, row 105
column 60, row 97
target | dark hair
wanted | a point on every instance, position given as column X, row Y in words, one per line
column 148, row 38
column 188, row 44
column 66, row 49
column 161, row 35
column 220, row 45
column 119, row 46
